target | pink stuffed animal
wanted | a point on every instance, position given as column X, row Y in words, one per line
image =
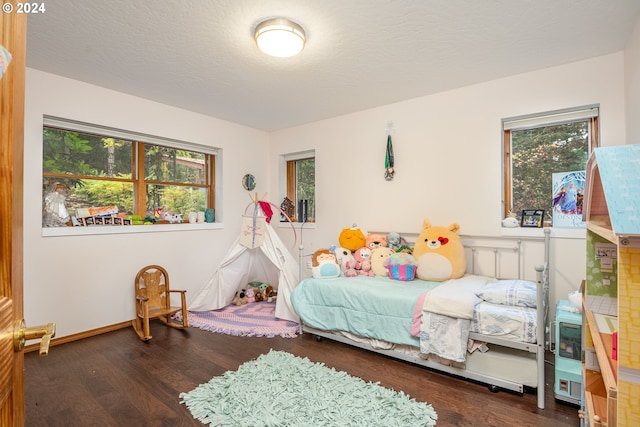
column 363, row 262
column 346, row 260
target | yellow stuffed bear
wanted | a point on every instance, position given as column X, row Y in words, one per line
column 439, row 253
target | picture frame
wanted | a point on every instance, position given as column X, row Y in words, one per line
column 532, row 218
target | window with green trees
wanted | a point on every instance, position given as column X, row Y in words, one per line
column 104, row 167
column 536, row 147
column 301, row 185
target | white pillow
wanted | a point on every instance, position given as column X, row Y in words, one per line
column 520, row 293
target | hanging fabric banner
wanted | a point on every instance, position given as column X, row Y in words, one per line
column 388, row 160
column 252, row 232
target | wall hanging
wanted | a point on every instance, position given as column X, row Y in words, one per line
column 389, row 171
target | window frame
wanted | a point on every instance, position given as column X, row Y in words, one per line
column 289, row 183
column 590, row 113
column 139, row 141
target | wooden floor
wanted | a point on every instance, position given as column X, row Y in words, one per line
column 117, row 380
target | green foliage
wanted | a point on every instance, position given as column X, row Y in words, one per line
column 103, row 193
column 64, row 152
column 176, row 199
column 538, row 153
column 306, row 184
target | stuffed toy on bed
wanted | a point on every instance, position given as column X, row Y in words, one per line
column 439, row 253
column 324, row 264
column 363, row 262
column 373, row 241
column 395, row 241
column 346, row 260
column 352, row 238
column 378, row 258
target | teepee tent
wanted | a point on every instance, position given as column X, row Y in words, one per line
column 258, row 254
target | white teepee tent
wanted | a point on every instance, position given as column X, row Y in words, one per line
column 258, row 254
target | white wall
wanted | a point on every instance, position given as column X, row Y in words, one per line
column 86, row 282
column 632, row 85
column 448, row 157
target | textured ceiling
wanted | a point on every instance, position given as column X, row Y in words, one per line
column 200, row 55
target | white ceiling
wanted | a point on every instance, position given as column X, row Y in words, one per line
column 200, row 55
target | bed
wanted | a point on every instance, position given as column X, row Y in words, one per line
column 493, row 331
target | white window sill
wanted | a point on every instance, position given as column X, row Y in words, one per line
column 127, row 229
column 558, row 233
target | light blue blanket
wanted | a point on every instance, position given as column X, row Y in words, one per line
column 372, row 307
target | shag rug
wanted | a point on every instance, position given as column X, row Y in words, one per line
column 256, row 319
column 280, row 389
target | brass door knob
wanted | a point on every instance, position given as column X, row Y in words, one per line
column 21, row 334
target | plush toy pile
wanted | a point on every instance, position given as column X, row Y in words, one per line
column 255, row 292
column 358, row 255
column 438, row 255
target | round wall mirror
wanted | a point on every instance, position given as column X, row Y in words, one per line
column 249, row 182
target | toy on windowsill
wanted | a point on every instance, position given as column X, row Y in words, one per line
column 510, row 221
column 172, row 218
column 55, row 212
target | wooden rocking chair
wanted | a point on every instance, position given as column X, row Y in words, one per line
column 153, row 300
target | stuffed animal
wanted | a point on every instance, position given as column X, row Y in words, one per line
column 240, row 298
column 363, row 262
column 251, row 294
column 401, row 266
column 344, row 257
column 378, row 257
column 324, row 264
column 439, row 253
column 373, row 241
column 395, row 241
column 270, row 294
column 259, row 296
column 352, row 238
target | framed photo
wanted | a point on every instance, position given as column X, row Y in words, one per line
column 532, row 218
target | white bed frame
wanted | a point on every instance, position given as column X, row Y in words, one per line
column 503, row 244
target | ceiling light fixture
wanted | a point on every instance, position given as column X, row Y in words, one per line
column 280, row 37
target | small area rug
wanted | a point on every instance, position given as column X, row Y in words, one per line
column 256, row 319
column 280, row 389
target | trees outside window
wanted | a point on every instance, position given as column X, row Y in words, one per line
column 536, row 147
column 137, row 176
column 301, row 185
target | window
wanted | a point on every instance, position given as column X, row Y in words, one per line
column 538, row 146
column 101, row 167
column 300, row 171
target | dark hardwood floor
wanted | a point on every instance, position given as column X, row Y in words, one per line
column 117, row 380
